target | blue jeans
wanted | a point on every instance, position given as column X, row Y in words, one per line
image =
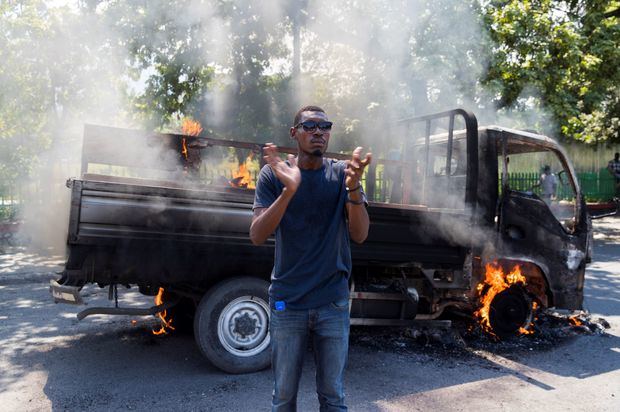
column 290, row 329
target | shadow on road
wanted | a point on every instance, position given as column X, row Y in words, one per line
column 104, row 363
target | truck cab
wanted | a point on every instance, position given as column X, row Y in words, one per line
column 459, row 200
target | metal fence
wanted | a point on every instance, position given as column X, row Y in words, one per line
column 10, row 200
column 596, row 187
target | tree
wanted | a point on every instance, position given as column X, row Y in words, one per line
column 207, row 60
column 560, row 56
column 56, row 66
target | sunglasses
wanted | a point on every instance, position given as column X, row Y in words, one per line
column 311, row 125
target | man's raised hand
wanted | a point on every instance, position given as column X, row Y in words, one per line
column 355, row 168
column 288, row 174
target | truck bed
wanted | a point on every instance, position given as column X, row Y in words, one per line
column 138, row 231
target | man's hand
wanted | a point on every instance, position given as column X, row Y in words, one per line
column 290, row 176
column 355, row 168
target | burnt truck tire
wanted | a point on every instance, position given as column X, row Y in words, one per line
column 231, row 325
column 510, row 310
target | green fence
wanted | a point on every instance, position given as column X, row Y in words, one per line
column 10, row 200
column 597, row 187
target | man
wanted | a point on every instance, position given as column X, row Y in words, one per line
column 549, row 185
column 314, row 205
column 614, row 168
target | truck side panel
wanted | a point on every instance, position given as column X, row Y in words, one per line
column 158, row 235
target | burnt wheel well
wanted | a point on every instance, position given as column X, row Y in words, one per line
column 537, row 283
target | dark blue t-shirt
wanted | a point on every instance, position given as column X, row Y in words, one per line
column 313, row 256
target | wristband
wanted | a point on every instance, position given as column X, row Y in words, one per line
column 356, row 202
column 356, row 188
column 362, row 201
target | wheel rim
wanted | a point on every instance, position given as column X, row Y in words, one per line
column 243, row 326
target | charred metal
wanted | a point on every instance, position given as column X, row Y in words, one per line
column 441, row 208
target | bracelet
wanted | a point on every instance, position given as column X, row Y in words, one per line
column 356, row 202
column 356, row 188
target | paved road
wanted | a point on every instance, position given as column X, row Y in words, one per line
column 49, row 361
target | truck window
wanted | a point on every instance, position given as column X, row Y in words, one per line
column 543, row 175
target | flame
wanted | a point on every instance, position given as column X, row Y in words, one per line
column 191, row 127
column 574, row 321
column 184, row 150
column 495, row 281
column 243, row 178
column 165, row 323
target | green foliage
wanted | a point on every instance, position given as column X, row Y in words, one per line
column 25, row 93
column 55, row 66
column 229, row 65
column 8, row 213
column 169, row 50
column 196, row 55
column 560, row 56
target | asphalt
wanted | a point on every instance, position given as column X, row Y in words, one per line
column 51, row 361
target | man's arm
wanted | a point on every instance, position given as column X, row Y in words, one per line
column 356, row 209
column 359, row 222
column 266, row 220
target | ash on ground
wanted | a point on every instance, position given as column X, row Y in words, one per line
column 460, row 336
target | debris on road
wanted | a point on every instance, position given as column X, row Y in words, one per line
column 461, row 336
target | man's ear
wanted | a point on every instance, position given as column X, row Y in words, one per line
column 292, row 133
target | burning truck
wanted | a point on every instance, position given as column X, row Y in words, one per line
column 452, row 229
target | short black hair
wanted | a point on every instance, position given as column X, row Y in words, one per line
column 616, row 154
column 306, row 109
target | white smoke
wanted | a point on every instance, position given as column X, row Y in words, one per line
column 367, row 63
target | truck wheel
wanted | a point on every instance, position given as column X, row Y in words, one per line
column 232, row 325
column 510, row 310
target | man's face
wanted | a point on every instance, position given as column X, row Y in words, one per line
column 311, row 142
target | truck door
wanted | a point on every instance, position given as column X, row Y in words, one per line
column 541, row 216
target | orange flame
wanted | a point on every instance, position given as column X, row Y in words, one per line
column 243, row 178
column 574, row 321
column 494, row 282
column 191, row 127
column 165, row 323
column 184, row 150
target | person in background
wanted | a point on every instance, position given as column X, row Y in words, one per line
column 548, row 183
column 315, row 206
column 614, row 168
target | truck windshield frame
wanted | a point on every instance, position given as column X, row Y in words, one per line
column 514, row 143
